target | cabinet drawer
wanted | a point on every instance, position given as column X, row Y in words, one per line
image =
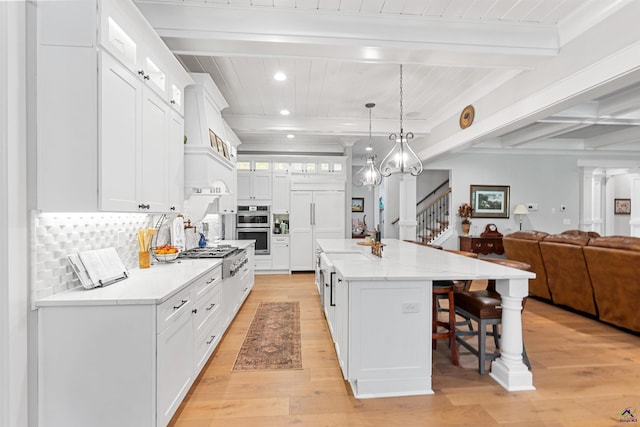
column 206, row 307
column 171, row 309
column 211, row 279
column 207, row 339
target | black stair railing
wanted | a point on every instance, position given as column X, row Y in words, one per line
column 433, row 220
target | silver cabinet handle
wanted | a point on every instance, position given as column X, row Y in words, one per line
column 211, row 306
column 213, row 337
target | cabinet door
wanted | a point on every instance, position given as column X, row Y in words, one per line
column 280, row 254
column 261, row 185
column 244, row 185
column 153, row 164
column 341, row 322
column 175, row 366
column 329, row 214
column 175, row 163
column 280, row 202
column 120, row 115
column 301, row 230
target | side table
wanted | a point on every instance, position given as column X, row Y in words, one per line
column 482, row 245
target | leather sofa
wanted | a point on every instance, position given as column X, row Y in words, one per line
column 614, row 267
column 524, row 246
column 567, row 275
column 594, row 275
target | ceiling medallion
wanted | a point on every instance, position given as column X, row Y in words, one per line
column 466, row 117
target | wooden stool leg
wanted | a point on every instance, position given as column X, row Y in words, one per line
column 452, row 328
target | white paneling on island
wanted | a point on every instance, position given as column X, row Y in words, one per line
column 379, row 314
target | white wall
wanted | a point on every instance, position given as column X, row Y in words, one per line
column 14, row 375
column 621, row 190
column 549, row 181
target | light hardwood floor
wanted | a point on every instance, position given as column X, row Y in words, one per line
column 585, row 373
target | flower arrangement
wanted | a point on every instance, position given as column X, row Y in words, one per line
column 464, row 212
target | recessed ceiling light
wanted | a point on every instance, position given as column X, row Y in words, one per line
column 291, row 136
column 280, row 76
column 284, row 112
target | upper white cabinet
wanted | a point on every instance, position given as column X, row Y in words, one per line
column 254, row 180
column 109, row 107
column 332, row 166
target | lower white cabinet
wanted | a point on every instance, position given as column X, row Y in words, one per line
column 280, row 253
column 126, row 365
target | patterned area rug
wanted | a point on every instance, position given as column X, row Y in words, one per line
column 273, row 339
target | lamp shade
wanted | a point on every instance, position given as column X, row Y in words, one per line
column 521, row 210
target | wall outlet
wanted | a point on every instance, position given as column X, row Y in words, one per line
column 411, row 307
column 531, row 206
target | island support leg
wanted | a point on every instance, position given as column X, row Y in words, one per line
column 509, row 370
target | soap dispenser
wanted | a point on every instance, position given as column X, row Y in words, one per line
column 203, row 241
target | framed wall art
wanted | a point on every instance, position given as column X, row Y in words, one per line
column 357, row 204
column 213, row 140
column 490, row 201
column 622, row 206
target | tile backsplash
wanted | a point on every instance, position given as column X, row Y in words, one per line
column 56, row 235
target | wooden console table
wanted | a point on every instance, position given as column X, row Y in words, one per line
column 482, row 245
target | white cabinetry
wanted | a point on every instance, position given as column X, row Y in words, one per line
column 107, row 148
column 281, row 192
column 332, row 166
column 280, row 253
column 139, row 359
column 314, row 215
column 254, row 180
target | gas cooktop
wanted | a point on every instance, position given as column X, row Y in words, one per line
column 221, row 251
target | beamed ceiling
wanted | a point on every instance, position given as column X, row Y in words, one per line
column 551, row 76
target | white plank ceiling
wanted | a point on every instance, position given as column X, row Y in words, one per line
column 339, row 55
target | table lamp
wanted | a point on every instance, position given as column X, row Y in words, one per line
column 521, row 211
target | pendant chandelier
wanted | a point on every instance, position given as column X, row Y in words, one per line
column 401, row 159
column 369, row 175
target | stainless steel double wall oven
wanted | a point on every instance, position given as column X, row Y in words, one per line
column 254, row 223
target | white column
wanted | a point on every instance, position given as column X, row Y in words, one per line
column 348, row 151
column 509, row 370
column 14, row 308
column 634, row 221
column 591, row 189
column 408, row 224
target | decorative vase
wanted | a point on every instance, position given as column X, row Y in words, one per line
column 465, row 228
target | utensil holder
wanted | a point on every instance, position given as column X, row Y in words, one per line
column 144, row 259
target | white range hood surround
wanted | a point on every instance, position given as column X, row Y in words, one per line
column 207, row 173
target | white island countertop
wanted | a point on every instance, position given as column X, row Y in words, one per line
column 409, row 261
column 152, row 285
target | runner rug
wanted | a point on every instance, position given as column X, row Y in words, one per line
column 273, row 339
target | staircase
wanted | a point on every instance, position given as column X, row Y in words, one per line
column 433, row 220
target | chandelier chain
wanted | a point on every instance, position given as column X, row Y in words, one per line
column 401, row 96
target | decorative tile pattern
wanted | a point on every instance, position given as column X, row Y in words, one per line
column 56, row 235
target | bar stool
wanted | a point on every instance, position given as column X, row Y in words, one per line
column 485, row 308
column 444, row 288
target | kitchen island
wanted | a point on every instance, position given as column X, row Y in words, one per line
column 379, row 314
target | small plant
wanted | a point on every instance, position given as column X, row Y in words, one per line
column 465, row 211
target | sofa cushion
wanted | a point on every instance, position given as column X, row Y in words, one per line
column 614, row 268
column 524, row 246
column 567, row 275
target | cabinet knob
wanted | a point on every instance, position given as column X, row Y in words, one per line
column 173, row 208
column 144, row 206
column 173, row 102
column 194, row 311
column 141, row 72
column 146, row 77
